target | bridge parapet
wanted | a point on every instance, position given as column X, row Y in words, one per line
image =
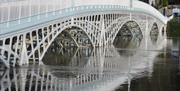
column 151, row 10
column 20, row 22
column 18, row 9
column 28, row 8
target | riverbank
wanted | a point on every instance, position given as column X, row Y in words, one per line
column 173, row 27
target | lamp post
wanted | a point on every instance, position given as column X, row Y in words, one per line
column 131, row 5
column 72, row 3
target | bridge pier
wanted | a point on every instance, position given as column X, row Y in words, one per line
column 24, row 58
column 102, row 34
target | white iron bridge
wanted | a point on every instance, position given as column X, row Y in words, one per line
column 29, row 27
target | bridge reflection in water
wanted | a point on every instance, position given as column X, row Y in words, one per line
column 85, row 69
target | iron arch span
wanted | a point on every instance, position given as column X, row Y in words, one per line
column 130, row 30
column 71, row 36
column 99, row 29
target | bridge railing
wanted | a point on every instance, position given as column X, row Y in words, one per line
column 141, row 6
column 19, row 14
column 17, row 9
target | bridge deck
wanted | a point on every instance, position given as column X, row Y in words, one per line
column 27, row 22
column 45, row 17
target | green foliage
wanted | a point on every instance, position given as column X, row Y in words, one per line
column 173, row 28
column 165, row 3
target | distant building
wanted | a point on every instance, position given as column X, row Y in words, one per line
column 147, row 1
column 176, row 12
column 174, row 2
column 151, row 2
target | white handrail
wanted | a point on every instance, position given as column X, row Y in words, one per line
column 22, row 8
column 149, row 9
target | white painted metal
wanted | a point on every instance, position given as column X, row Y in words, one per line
column 40, row 6
column 29, row 45
column 100, row 29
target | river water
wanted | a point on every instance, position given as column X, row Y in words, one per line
column 134, row 65
column 165, row 75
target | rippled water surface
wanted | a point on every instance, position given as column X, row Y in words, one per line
column 165, row 74
column 135, row 65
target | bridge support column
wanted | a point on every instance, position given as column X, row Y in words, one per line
column 24, row 58
column 131, row 3
column 146, row 33
column 102, row 35
column 2, row 53
column 165, row 31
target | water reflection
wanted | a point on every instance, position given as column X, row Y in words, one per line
column 166, row 72
column 83, row 69
column 129, row 36
column 154, row 33
column 174, row 46
column 86, row 68
column 128, row 45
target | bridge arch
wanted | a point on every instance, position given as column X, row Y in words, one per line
column 154, row 33
column 120, row 23
column 135, row 25
column 57, row 31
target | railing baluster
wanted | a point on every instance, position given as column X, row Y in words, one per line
column 30, row 10
column 54, row 7
column 20, row 10
column 39, row 7
column 47, row 7
column 9, row 14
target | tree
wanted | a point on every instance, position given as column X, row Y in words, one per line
column 165, row 3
